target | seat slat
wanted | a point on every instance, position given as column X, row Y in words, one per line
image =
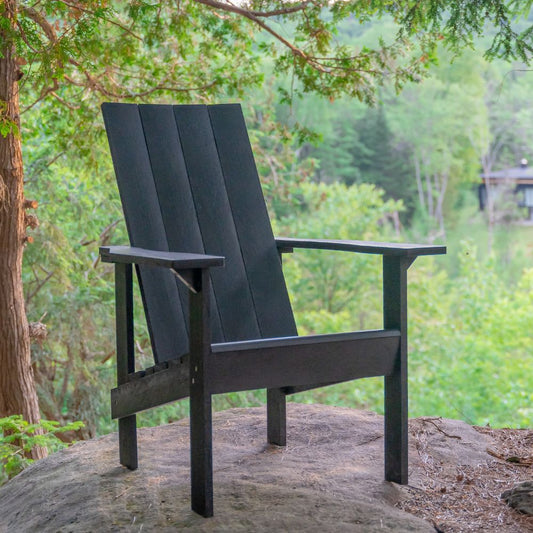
column 216, row 222
column 258, row 247
column 145, row 228
column 174, row 193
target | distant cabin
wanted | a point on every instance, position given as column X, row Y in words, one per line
column 516, row 179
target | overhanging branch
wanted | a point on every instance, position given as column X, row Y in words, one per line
column 255, row 17
column 41, row 21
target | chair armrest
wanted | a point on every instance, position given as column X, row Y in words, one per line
column 286, row 244
column 174, row 260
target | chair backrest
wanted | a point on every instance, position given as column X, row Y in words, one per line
column 188, row 182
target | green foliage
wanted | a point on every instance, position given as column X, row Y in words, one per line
column 196, row 52
column 18, row 438
column 273, row 142
column 470, row 347
column 7, row 126
column 458, row 22
column 66, row 287
column 336, row 289
column 333, row 292
column 361, row 148
column 473, row 343
column 132, row 50
column 198, row 48
column 425, row 146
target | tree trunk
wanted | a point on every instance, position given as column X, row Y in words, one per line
column 419, row 185
column 489, row 205
column 441, row 185
column 17, row 387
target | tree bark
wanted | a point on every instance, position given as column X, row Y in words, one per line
column 17, row 387
column 486, row 163
column 441, row 185
column 419, row 185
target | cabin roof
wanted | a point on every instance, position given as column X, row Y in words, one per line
column 522, row 174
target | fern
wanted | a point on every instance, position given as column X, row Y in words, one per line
column 18, row 438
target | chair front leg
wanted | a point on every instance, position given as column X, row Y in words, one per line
column 127, row 426
column 396, row 405
column 200, row 399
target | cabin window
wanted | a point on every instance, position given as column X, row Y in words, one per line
column 528, row 197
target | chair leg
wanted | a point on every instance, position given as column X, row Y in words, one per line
column 201, row 455
column 395, row 317
column 396, row 429
column 127, row 426
column 127, row 438
column 200, row 399
column 276, row 417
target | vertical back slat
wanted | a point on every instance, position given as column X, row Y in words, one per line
column 145, row 228
column 252, row 223
column 188, row 182
column 174, row 192
column 235, row 302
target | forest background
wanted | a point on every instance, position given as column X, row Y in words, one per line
column 406, row 169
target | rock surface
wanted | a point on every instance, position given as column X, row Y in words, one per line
column 520, row 497
column 328, row 478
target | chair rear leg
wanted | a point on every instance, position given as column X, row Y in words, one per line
column 127, row 438
column 276, row 417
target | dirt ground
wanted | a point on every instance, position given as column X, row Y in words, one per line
column 467, row 498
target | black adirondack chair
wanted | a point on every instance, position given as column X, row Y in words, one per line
column 193, row 204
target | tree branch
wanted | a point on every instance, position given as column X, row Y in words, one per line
column 64, row 102
column 40, row 284
column 255, row 18
column 285, row 11
column 124, row 28
column 41, row 21
column 44, row 93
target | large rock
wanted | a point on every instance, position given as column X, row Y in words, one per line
column 328, row 478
